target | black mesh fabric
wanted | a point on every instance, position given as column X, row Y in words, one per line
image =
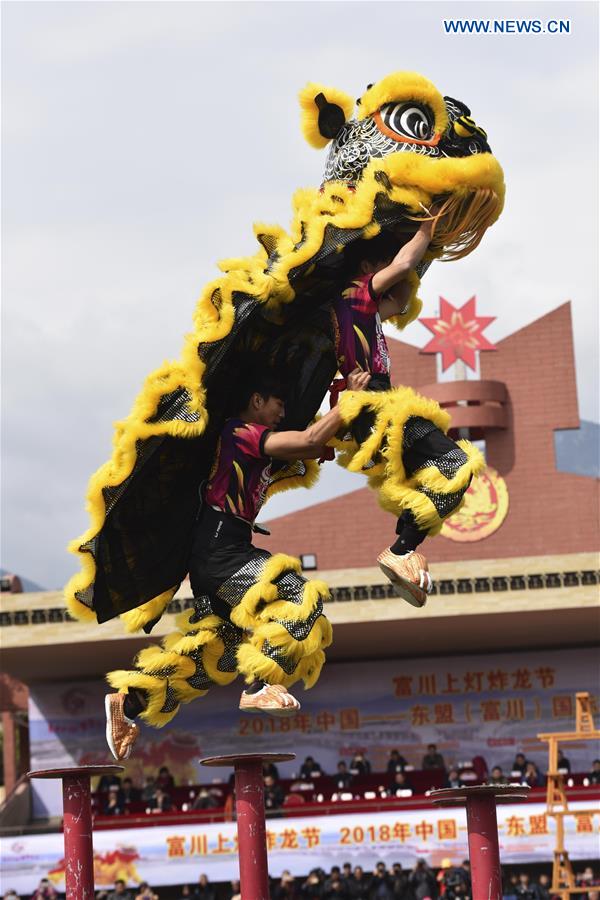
column 144, row 546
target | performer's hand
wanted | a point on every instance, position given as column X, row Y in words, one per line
column 358, row 380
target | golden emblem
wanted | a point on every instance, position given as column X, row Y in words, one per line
column 483, row 511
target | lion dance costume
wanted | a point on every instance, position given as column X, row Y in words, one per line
column 407, row 148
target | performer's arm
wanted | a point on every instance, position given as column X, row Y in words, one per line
column 310, row 443
column 391, row 280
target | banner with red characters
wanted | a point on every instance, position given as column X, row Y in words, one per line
column 178, row 854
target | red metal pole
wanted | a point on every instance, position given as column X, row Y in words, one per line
column 482, row 827
column 77, row 830
column 484, row 852
column 77, row 825
column 250, row 810
column 252, row 843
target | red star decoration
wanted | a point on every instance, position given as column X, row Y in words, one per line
column 458, row 333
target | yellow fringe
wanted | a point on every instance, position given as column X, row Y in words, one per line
column 174, row 656
column 76, row 608
column 154, row 659
column 395, row 498
column 257, row 612
column 314, row 593
column 396, row 492
column 392, row 409
column 252, row 663
column 414, row 304
column 211, row 655
column 404, row 86
column 206, row 623
column 320, row 637
column 284, row 482
column 135, row 619
column 433, row 479
column 261, row 602
column 156, row 692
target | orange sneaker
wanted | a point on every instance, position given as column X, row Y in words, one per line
column 273, row 699
column 409, row 574
column 121, row 732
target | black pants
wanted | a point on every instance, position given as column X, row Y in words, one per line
column 222, row 545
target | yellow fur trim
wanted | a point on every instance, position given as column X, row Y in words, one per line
column 243, row 615
column 156, row 692
column 395, row 498
column 77, row 609
column 278, row 564
column 285, row 482
column 310, row 111
column 457, row 175
column 188, row 643
column 261, row 602
column 171, row 665
column 433, row 479
column 253, row 664
column 404, row 86
column 396, row 493
column 414, row 304
column 154, row 660
column 392, row 409
column 135, row 619
column 320, row 637
column 205, row 623
column 177, row 650
column 211, row 654
column 314, row 593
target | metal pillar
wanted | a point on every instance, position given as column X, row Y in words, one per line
column 482, row 828
column 77, row 825
column 250, row 815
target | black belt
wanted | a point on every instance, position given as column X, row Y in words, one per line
column 220, row 525
column 223, row 524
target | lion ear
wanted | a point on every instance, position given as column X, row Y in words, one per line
column 324, row 113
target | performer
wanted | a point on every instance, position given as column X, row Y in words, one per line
column 254, row 614
column 380, row 290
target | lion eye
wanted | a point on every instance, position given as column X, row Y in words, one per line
column 408, row 120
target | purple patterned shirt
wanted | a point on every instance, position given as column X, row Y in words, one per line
column 360, row 341
column 240, row 475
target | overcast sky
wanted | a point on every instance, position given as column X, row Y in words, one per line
column 141, row 140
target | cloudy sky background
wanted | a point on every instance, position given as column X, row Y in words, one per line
column 141, row 140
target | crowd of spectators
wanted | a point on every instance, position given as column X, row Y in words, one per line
column 155, row 795
column 421, row 882
column 120, row 794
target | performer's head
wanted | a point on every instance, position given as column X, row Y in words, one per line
column 365, row 257
column 260, row 397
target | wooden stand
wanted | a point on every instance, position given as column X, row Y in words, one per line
column 563, row 877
